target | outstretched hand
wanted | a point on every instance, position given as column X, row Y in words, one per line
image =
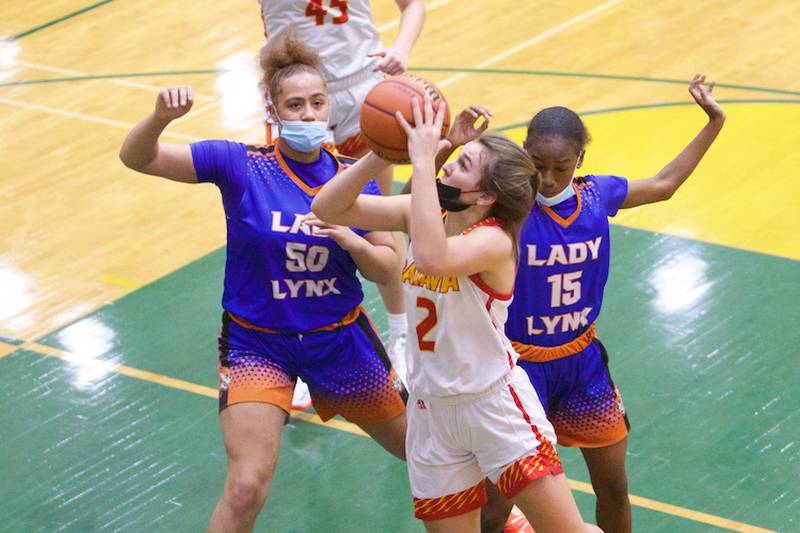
column 174, row 102
column 465, row 127
column 392, row 61
column 702, row 94
column 425, row 136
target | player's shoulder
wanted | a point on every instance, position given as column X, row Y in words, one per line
column 344, row 160
column 590, row 180
column 263, row 150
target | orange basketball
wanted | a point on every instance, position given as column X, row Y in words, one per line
column 380, row 128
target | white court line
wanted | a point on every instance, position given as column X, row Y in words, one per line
column 115, row 81
column 396, row 22
column 533, row 40
column 87, row 118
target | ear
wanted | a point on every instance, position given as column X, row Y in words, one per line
column 273, row 113
column 580, row 159
column 487, row 198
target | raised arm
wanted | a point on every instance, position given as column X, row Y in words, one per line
column 340, row 201
column 435, row 253
column 465, row 128
column 143, row 152
column 664, row 184
column 394, row 60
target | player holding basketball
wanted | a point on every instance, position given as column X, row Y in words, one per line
column 559, row 287
column 353, row 60
column 474, row 413
column 292, row 298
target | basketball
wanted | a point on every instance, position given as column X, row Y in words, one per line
column 380, row 128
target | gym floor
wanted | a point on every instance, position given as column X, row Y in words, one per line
column 110, row 281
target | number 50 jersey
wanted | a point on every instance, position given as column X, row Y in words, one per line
column 280, row 274
column 563, row 266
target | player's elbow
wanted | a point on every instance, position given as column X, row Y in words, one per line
column 324, row 210
column 431, row 264
column 662, row 189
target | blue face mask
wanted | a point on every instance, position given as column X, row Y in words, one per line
column 304, row 136
column 568, row 192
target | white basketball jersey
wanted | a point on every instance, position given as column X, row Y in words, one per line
column 341, row 31
column 456, row 338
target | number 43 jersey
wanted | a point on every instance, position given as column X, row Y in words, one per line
column 456, row 343
column 280, row 274
column 563, row 265
column 341, row 31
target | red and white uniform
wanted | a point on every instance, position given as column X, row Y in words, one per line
column 472, row 413
column 342, row 33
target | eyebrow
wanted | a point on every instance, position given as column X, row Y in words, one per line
column 536, row 156
column 467, row 157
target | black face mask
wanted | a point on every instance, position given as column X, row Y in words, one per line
column 448, row 197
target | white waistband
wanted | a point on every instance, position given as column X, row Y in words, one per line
column 353, row 79
column 457, row 399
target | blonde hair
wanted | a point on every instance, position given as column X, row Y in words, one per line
column 511, row 175
column 283, row 59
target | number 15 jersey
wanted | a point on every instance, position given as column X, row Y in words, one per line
column 563, row 266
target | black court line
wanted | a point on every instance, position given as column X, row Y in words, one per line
column 60, row 19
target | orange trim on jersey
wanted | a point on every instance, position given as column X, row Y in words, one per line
column 543, row 354
column 561, row 221
column 497, row 295
column 451, row 505
column 349, row 318
column 311, row 191
column 476, row 278
column 490, row 221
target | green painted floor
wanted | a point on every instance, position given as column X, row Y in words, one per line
column 703, row 345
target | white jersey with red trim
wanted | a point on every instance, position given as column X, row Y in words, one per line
column 456, row 338
column 341, row 31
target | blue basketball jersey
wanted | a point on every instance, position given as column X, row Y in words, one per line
column 563, row 267
column 279, row 274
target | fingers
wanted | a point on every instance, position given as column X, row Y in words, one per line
column 176, row 97
column 377, row 53
column 429, row 117
column 438, row 121
column 416, row 112
column 403, row 122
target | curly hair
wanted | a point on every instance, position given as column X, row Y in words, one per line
column 284, row 58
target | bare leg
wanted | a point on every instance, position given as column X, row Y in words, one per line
column 549, row 506
column 495, row 513
column 251, row 433
column 463, row 523
column 391, row 435
column 610, row 482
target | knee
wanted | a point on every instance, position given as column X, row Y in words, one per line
column 615, row 490
column 246, row 492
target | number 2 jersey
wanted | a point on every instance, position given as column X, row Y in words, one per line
column 563, row 269
column 341, row 31
column 456, row 343
column 280, row 274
